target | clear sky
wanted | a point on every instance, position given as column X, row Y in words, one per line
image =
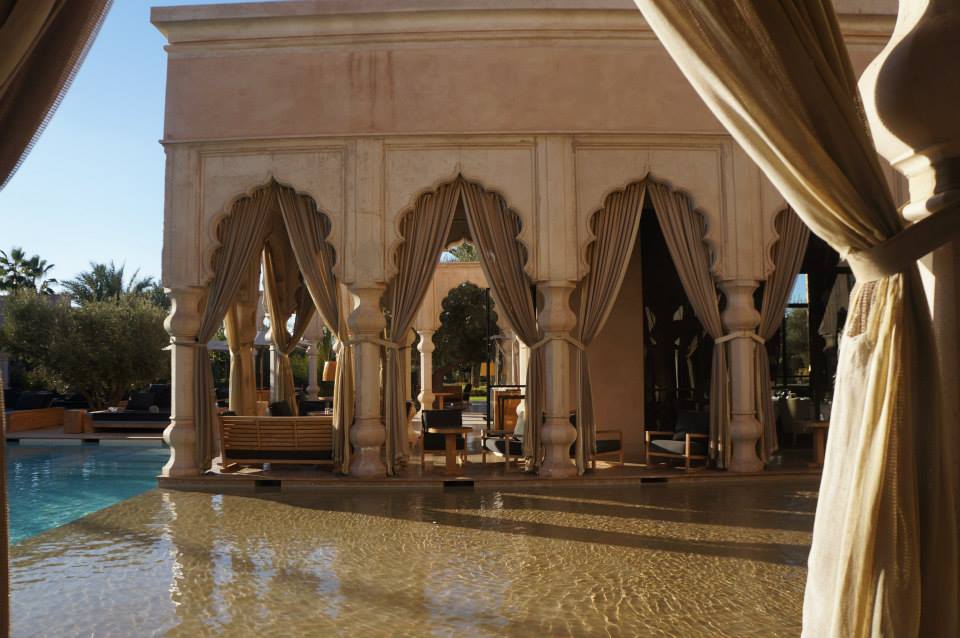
column 92, row 188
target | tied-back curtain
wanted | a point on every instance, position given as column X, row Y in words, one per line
column 884, row 557
column 683, row 229
column 494, row 228
column 241, row 237
column 425, row 231
column 237, row 325
column 285, row 295
column 615, row 229
column 308, row 230
column 787, row 259
column 42, row 44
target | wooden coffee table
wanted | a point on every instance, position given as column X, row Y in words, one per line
column 450, row 444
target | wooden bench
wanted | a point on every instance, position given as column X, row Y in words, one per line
column 255, row 440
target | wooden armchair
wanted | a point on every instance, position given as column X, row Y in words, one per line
column 608, row 443
column 688, row 442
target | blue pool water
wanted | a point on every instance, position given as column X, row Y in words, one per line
column 51, row 485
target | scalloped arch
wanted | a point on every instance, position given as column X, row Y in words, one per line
column 395, row 245
column 774, row 220
column 213, row 242
column 649, row 177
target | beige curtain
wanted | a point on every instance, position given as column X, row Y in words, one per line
column 615, row 228
column 884, row 559
column 308, row 230
column 42, row 44
column 285, row 295
column 4, row 522
column 787, row 259
column 240, row 329
column 425, row 230
column 241, row 235
column 494, row 228
column 683, row 229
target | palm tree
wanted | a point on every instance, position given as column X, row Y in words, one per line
column 19, row 272
column 104, row 282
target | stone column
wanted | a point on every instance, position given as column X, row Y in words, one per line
column 740, row 314
column 368, row 433
column 426, row 349
column 523, row 361
column 183, row 324
column 412, row 434
column 910, row 95
column 558, row 434
column 509, row 346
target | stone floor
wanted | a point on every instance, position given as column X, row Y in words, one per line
column 688, row 559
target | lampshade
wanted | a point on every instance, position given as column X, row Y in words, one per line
column 329, row 370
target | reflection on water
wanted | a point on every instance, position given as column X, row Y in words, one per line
column 663, row 560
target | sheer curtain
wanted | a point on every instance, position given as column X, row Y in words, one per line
column 284, row 295
column 683, row 229
column 884, row 558
column 425, row 230
column 494, row 228
column 787, row 258
column 615, row 228
column 308, row 230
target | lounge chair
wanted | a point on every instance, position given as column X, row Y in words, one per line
column 33, row 411
column 252, row 440
column 149, row 409
column 436, row 443
column 687, row 442
column 606, row 443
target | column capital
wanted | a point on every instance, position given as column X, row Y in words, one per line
column 426, row 345
column 366, row 316
column 740, row 312
column 555, row 315
column 183, row 320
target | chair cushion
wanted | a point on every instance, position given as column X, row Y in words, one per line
column 280, row 408
column 693, row 422
column 499, row 446
column 282, row 455
column 140, row 401
column 130, row 415
column 442, row 419
column 306, row 407
column 607, row 445
column 677, row 447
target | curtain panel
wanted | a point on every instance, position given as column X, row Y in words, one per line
column 684, row 229
column 787, row 258
column 615, row 228
column 241, row 236
column 308, row 230
column 243, row 381
column 884, row 557
column 42, row 44
column 285, row 296
column 425, row 231
column 494, row 229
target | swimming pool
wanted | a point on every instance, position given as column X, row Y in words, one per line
column 52, row 484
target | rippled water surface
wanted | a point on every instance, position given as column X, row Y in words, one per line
column 654, row 560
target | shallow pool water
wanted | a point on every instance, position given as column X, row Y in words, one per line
column 49, row 485
column 694, row 559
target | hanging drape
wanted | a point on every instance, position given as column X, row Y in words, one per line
column 240, row 322
column 308, row 230
column 4, row 523
column 683, row 229
column 284, row 294
column 425, row 231
column 884, row 558
column 42, row 44
column 615, row 228
column 494, row 228
column 241, row 236
column 787, row 259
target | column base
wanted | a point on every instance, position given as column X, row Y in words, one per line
column 557, row 436
column 181, row 437
column 367, row 437
column 744, row 435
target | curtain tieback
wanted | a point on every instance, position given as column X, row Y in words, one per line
column 740, row 334
column 377, row 340
column 896, row 254
column 559, row 337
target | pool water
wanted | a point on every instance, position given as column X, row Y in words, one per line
column 50, row 485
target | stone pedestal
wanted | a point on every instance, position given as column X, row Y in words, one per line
column 368, row 433
column 740, row 314
column 426, row 349
column 558, row 434
column 183, row 324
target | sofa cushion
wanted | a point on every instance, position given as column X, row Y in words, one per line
column 693, row 422
column 34, row 400
column 130, row 415
column 140, row 401
column 698, row 447
column 607, row 445
column 282, row 455
column 280, row 408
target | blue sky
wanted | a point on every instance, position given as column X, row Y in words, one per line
column 92, row 188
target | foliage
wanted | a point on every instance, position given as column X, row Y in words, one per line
column 461, row 341
column 101, row 350
column 19, row 272
column 465, row 251
column 108, row 282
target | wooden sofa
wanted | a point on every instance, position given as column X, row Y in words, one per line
column 255, row 440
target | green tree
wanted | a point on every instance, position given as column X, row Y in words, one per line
column 108, row 282
column 101, row 350
column 19, row 272
column 461, row 341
